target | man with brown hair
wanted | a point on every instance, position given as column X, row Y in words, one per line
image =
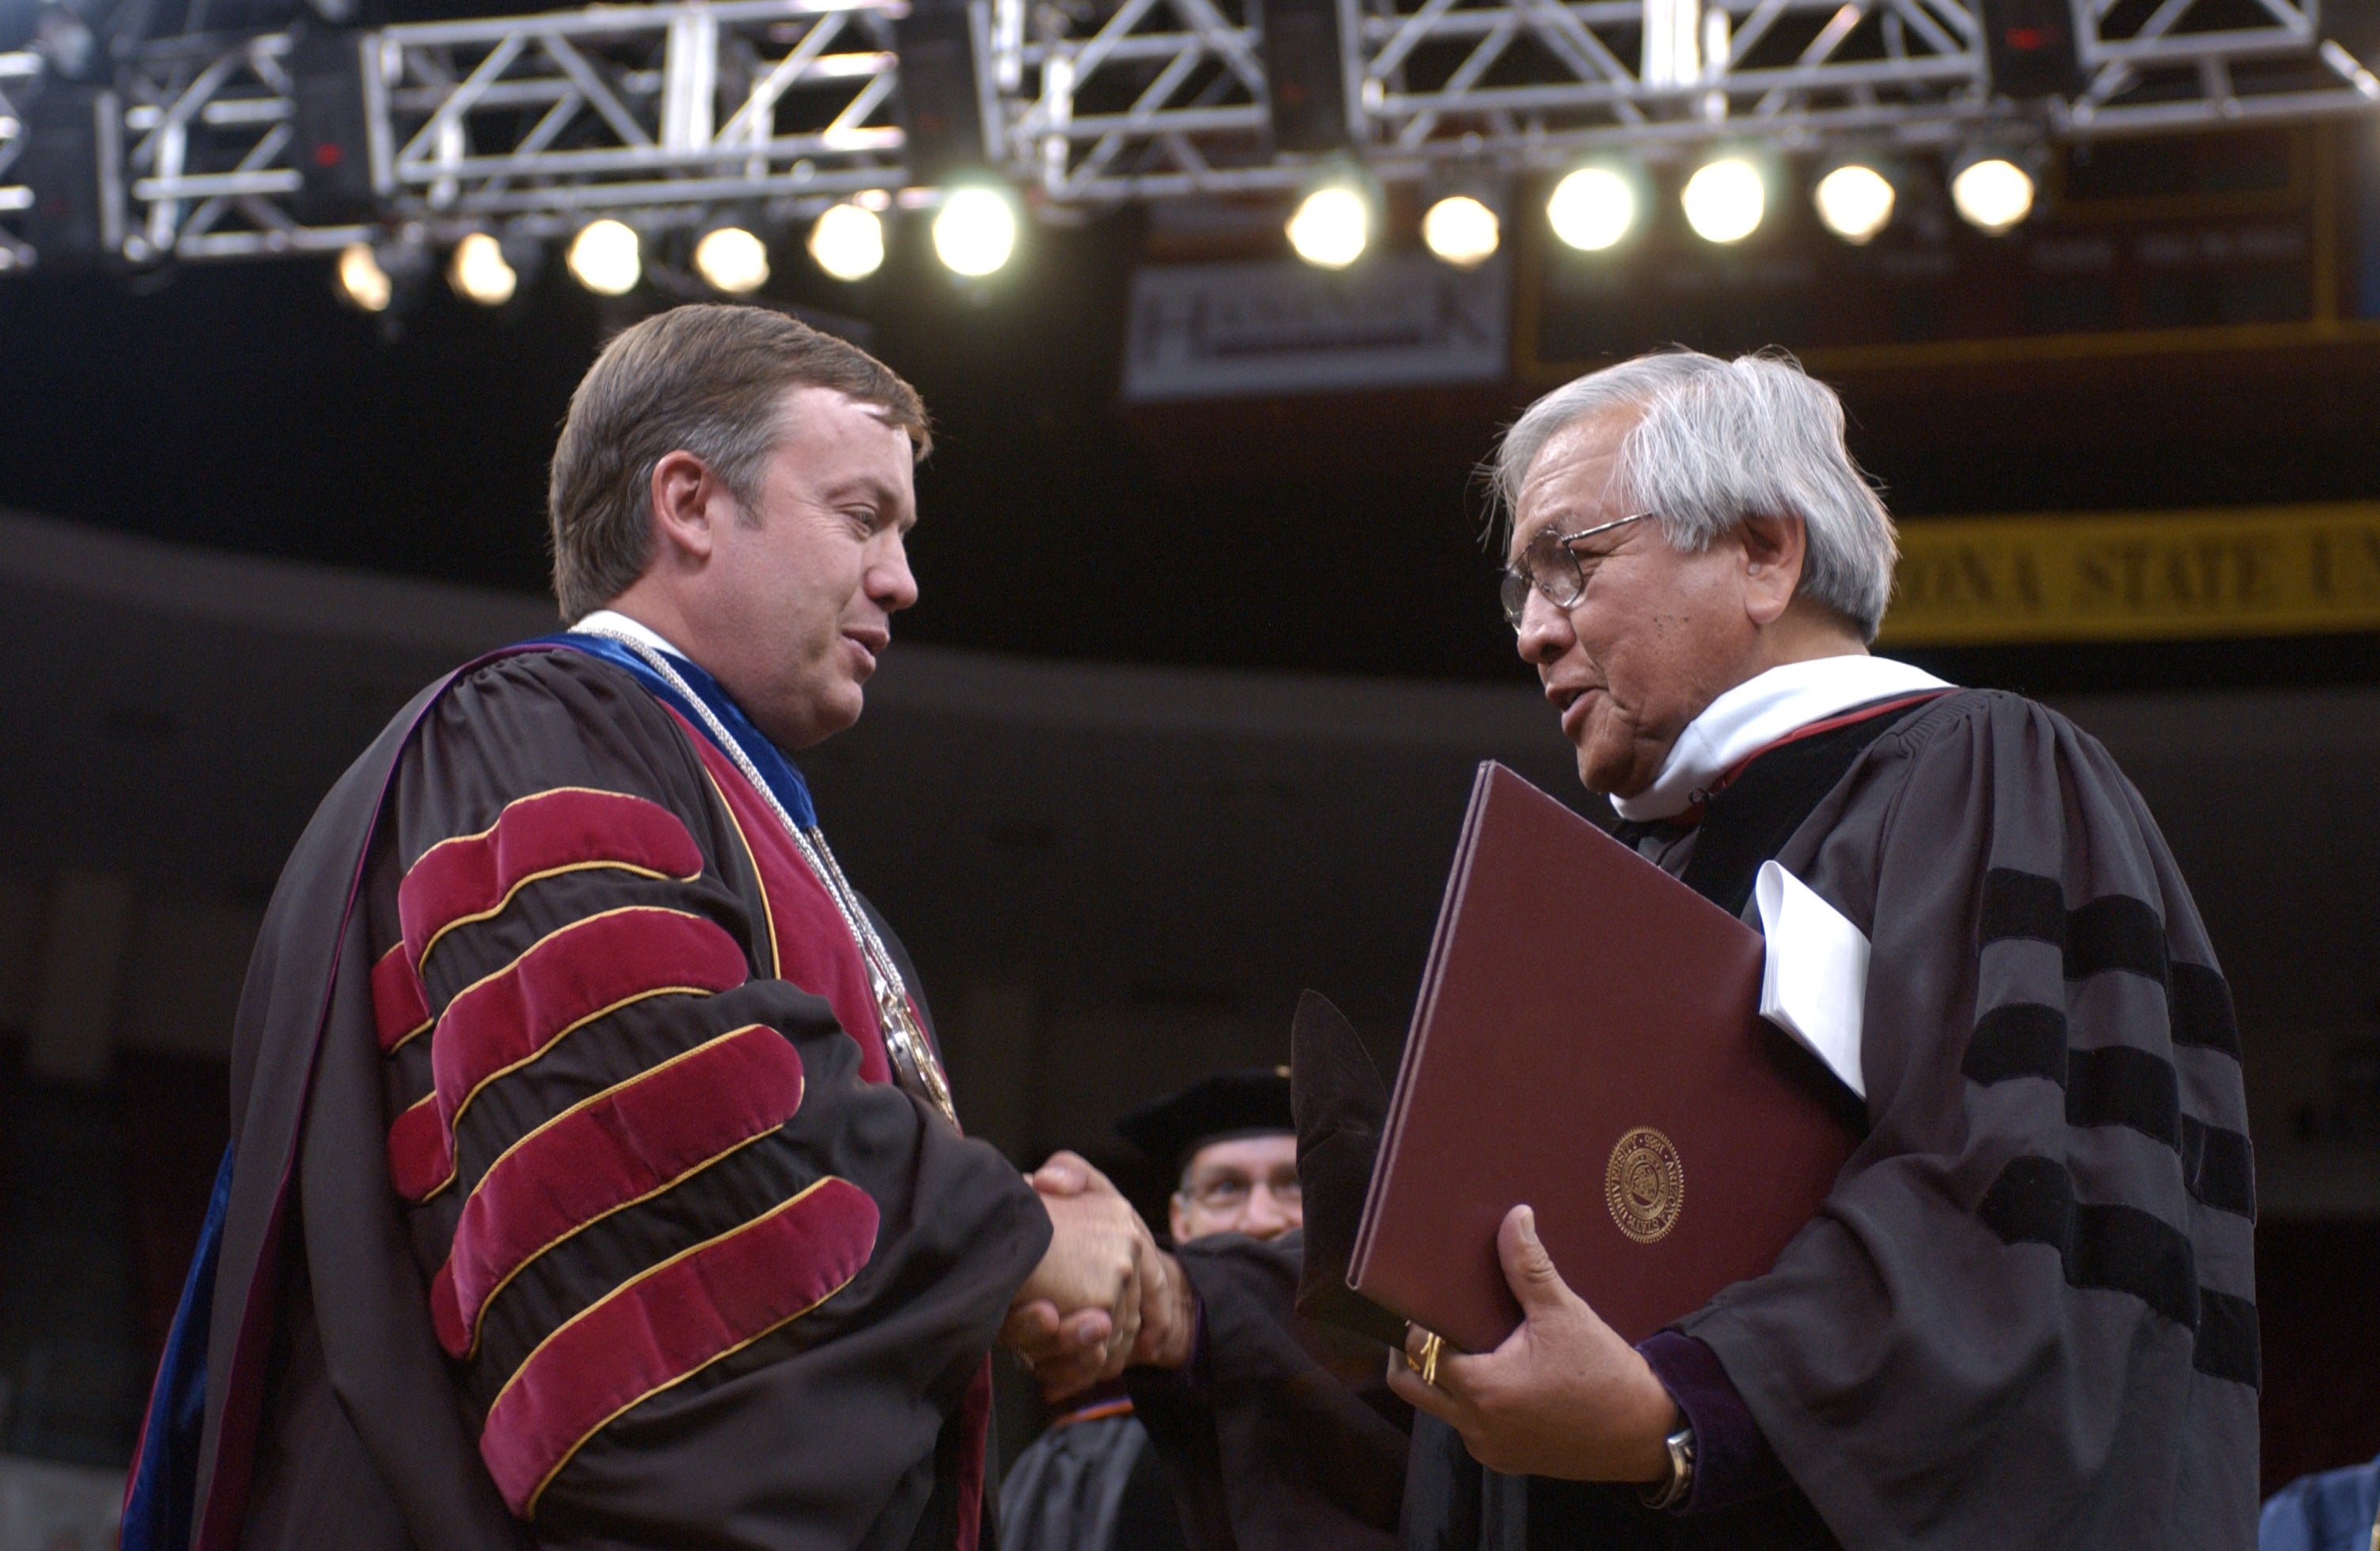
column 594, row 1179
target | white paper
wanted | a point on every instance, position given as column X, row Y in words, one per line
column 1813, row 985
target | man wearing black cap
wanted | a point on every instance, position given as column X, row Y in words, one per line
column 1091, row 1483
column 1277, row 1433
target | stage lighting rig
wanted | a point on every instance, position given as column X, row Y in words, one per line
column 975, row 232
column 732, row 260
column 606, row 258
column 1726, row 198
column 480, row 272
column 1855, row 197
column 250, row 143
column 1332, row 224
column 1593, row 206
column 1992, row 189
column 1462, row 230
column 847, row 241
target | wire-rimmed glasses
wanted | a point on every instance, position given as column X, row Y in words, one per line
column 1548, row 564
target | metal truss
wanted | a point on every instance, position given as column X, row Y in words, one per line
column 637, row 106
column 2160, row 65
column 1537, row 77
column 770, row 109
column 16, row 72
column 1159, row 98
column 1165, row 97
column 529, row 122
column 206, row 170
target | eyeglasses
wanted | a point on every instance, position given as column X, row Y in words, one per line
column 1550, row 565
column 1230, row 1193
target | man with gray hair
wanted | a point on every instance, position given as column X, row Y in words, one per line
column 2023, row 1316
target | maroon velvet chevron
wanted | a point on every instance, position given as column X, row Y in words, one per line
column 621, row 1146
column 470, row 876
column 667, row 1324
column 399, row 1010
column 566, row 979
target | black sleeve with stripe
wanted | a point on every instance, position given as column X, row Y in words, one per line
column 2025, row 1316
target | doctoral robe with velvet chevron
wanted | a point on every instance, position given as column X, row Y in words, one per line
column 599, row 1221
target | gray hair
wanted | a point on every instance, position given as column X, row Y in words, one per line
column 1718, row 442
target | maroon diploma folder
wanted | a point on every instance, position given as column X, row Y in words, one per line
column 1587, row 1041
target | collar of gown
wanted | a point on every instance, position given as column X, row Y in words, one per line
column 618, row 623
column 1759, row 711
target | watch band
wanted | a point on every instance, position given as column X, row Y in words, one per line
column 1681, row 1485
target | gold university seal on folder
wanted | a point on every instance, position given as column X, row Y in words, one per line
column 1644, row 1185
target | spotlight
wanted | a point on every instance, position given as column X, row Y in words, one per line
column 1332, row 225
column 1993, row 192
column 604, row 259
column 360, row 282
column 1460, row 230
column 733, row 259
column 1592, row 208
column 480, row 274
column 848, row 242
column 1725, row 200
column 1854, row 202
column 975, row 231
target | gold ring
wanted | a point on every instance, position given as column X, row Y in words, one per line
column 1426, row 1365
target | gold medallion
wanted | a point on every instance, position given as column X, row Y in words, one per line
column 1644, row 1185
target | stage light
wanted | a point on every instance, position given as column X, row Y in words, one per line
column 604, row 257
column 1725, row 200
column 940, row 105
column 59, row 159
column 360, row 282
column 1854, row 202
column 330, row 134
column 1460, row 230
column 1305, row 76
column 1332, row 225
column 1992, row 191
column 1592, row 208
column 975, row 231
column 848, row 242
column 480, row 274
column 733, row 259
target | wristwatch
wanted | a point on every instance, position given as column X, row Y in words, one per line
column 1681, row 1485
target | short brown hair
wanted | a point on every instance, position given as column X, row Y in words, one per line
column 708, row 379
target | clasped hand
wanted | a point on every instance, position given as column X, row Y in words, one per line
column 1104, row 1295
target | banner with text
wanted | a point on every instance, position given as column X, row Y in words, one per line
column 1241, row 329
column 2241, row 571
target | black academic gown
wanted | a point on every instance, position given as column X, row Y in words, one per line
column 666, row 1261
column 2023, row 1315
column 1280, row 1432
column 1090, row 1483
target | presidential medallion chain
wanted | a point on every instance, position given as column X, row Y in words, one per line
column 911, row 1056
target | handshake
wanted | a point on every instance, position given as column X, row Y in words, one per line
column 1104, row 1297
